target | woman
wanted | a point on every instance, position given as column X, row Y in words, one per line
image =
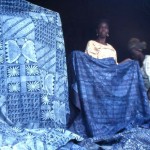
column 99, row 48
column 136, row 48
column 108, row 100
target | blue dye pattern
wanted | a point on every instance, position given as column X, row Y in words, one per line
column 33, row 65
column 33, row 79
column 110, row 103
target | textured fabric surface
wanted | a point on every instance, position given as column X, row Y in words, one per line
column 109, row 99
column 33, row 79
column 13, row 138
column 33, row 76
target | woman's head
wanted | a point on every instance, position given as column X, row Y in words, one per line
column 103, row 29
column 136, row 48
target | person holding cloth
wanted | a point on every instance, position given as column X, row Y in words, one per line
column 136, row 48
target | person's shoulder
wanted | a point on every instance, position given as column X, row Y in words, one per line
column 110, row 46
column 91, row 42
column 147, row 57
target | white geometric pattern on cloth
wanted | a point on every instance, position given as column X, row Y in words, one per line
column 33, row 79
column 33, row 65
column 13, row 71
column 15, row 27
column 32, row 70
column 14, row 87
column 13, row 51
column 35, row 139
column 45, row 100
column 1, row 59
column 33, row 86
column 1, row 53
column 50, row 114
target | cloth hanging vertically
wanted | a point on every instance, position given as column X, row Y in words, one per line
column 33, row 78
column 110, row 103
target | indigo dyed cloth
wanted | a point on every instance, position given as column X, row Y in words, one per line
column 110, row 103
column 33, row 79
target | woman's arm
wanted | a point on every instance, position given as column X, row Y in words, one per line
column 128, row 59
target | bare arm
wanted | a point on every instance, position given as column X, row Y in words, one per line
column 128, row 59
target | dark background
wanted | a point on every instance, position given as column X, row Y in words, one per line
column 128, row 18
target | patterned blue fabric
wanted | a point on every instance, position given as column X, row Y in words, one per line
column 33, row 79
column 13, row 138
column 109, row 99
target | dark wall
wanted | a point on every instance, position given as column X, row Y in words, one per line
column 128, row 18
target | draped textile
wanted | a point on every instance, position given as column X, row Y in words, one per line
column 32, row 65
column 33, row 79
column 110, row 104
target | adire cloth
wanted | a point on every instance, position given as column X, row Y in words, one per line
column 109, row 97
column 110, row 104
column 33, row 79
